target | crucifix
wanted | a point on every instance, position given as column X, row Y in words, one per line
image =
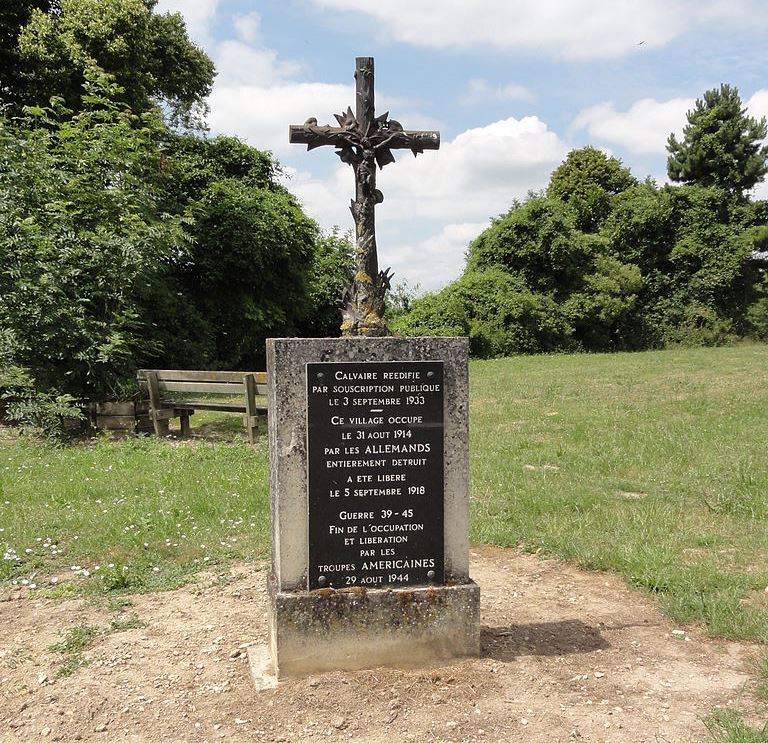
column 364, row 140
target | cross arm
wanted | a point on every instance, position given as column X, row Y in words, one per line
column 406, row 140
column 313, row 135
column 382, row 140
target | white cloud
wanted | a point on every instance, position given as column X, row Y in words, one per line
column 248, row 27
column 644, row 128
column 261, row 113
column 436, row 203
column 435, row 261
column 475, row 176
column 239, row 63
column 757, row 105
column 253, row 98
column 576, row 29
column 472, row 178
column 481, row 90
column 198, row 15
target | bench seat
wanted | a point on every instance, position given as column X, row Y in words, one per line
column 247, row 384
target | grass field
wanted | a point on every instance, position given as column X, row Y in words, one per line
column 652, row 465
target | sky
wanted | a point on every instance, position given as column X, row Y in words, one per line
column 512, row 86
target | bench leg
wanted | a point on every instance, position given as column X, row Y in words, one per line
column 186, row 429
column 251, row 414
column 154, row 405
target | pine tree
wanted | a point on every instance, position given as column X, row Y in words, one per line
column 721, row 146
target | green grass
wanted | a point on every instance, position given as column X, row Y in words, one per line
column 762, row 678
column 727, row 726
column 653, row 465
column 81, row 637
column 130, row 515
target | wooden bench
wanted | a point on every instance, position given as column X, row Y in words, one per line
column 157, row 382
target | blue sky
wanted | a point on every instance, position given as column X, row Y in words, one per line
column 512, row 85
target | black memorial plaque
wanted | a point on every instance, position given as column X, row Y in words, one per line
column 375, row 453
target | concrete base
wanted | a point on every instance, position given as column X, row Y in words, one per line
column 261, row 667
column 327, row 630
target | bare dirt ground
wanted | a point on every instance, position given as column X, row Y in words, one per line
column 567, row 656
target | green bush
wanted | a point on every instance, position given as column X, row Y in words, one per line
column 80, row 234
column 49, row 413
column 495, row 310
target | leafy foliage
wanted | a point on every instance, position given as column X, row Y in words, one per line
column 604, row 263
column 40, row 411
column 49, row 47
column 13, row 17
column 497, row 311
column 329, row 274
column 721, row 145
column 538, row 241
column 695, row 248
column 587, row 180
column 79, row 233
column 248, row 271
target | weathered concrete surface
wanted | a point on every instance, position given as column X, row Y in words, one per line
column 325, row 630
column 287, row 426
column 328, row 630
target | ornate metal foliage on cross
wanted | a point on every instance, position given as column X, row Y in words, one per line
column 364, row 140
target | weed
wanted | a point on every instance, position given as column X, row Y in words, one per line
column 14, row 656
column 117, row 604
column 121, row 625
column 71, row 664
column 76, row 639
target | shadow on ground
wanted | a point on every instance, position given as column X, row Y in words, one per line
column 540, row 638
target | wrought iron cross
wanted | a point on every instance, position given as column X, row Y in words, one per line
column 364, row 140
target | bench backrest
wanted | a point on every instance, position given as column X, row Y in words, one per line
column 221, row 382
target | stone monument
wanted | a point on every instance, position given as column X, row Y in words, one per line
column 368, row 443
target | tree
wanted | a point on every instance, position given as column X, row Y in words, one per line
column 587, row 180
column 537, row 240
column 696, row 251
column 249, row 270
column 13, row 17
column 80, row 235
column 497, row 311
column 721, row 145
column 149, row 55
column 330, row 274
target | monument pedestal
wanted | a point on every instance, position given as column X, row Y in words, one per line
column 325, row 630
column 369, row 474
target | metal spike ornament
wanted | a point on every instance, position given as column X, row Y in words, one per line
column 364, row 140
